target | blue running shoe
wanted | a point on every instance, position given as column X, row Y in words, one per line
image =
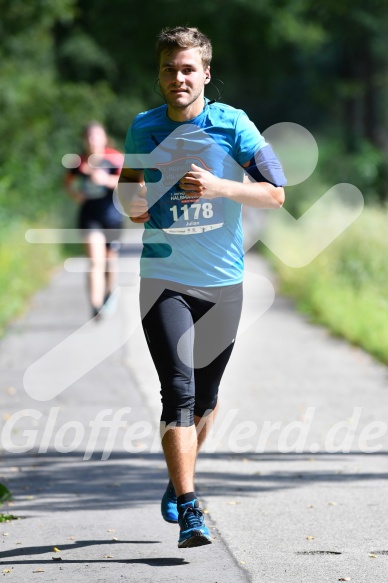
column 169, row 504
column 193, row 533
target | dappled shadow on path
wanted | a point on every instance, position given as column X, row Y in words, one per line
column 41, row 550
column 247, row 474
column 150, row 561
column 55, row 482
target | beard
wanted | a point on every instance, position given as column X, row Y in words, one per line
column 192, row 97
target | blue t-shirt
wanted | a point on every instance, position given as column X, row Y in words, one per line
column 196, row 242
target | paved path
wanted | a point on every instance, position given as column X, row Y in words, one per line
column 277, row 515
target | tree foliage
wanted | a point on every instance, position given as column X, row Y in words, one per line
column 64, row 62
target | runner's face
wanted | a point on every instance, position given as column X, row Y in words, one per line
column 96, row 140
column 182, row 79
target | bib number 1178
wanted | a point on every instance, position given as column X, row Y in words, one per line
column 205, row 209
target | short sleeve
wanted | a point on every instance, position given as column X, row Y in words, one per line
column 114, row 160
column 129, row 143
column 132, row 151
column 248, row 139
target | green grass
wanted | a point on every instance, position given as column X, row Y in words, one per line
column 7, row 517
column 24, row 268
column 346, row 286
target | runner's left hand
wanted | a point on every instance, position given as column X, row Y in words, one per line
column 201, row 182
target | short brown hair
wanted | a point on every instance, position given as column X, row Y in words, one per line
column 184, row 37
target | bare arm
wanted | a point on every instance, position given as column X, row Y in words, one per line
column 73, row 192
column 255, row 194
column 102, row 178
column 134, row 203
column 96, row 175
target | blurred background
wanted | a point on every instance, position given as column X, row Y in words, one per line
column 323, row 65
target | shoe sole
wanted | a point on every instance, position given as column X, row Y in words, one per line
column 197, row 540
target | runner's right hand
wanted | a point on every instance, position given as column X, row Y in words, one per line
column 138, row 207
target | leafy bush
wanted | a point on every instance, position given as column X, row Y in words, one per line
column 5, row 495
column 346, row 286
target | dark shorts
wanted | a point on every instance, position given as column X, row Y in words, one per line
column 190, row 332
column 102, row 215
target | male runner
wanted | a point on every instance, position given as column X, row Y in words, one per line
column 189, row 198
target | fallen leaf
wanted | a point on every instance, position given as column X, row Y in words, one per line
column 205, row 511
column 234, row 502
column 108, row 557
column 115, row 538
column 56, row 550
column 344, row 579
column 7, row 571
column 332, row 503
column 310, row 537
column 5, row 533
column 373, row 556
column 111, row 530
column 30, row 497
column 38, row 571
column 71, row 538
column 243, row 562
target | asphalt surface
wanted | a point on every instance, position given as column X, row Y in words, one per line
column 290, row 489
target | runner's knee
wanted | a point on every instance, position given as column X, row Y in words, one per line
column 203, row 405
column 178, row 407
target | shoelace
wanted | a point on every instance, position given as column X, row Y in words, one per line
column 192, row 518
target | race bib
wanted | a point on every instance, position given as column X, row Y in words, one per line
column 184, row 215
column 181, row 212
